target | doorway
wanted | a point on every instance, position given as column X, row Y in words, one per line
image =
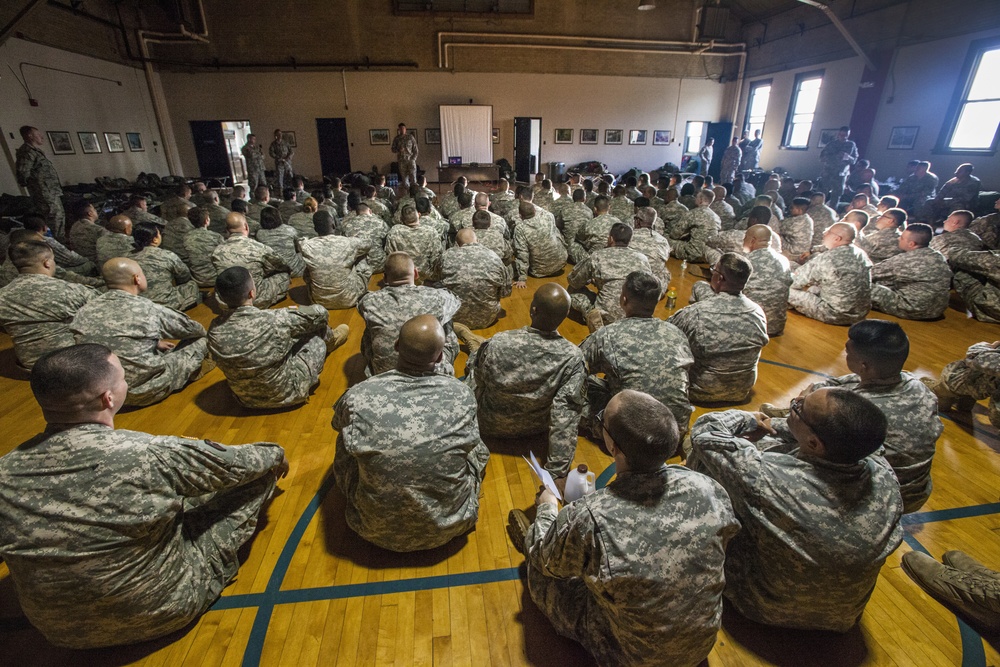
column 217, row 145
column 334, row 149
column 527, row 148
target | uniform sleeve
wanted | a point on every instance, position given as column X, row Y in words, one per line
column 559, row 545
column 274, row 263
column 179, row 269
column 196, row 467
column 520, row 255
column 301, row 320
column 25, row 165
column 717, row 450
column 177, row 325
column 564, row 420
column 803, row 277
column 581, row 274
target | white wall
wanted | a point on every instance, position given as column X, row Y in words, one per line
column 293, row 101
column 73, row 103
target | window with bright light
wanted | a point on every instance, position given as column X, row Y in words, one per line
column 694, row 136
column 975, row 113
column 760, row 93
column 801, row 110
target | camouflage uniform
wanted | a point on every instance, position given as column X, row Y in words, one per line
column 409, row 459
column 730, row 240
column 379, row 208
column 834, row 287
column 388, row 309
column 169, row 280
column 529, row 381
column 606, row 269
column 253, row 211
column 987, row 228
column 131, row 326
column 35, row 172
column 914, row 285
column 447, row 207
column 641, row 353
column 688, row 236
column 116, row 537
column 271, row 358
column 282, row 154
column 477, row 276
column 768, row 287
column 302, row 223
column 173, row 237
column 545, row 199
column 807, row 557
column 796, row 234
column 337, row 272
column 254, row 155
column 83, row 235
column 822, row 216
column 513, row 218
column 422, row 243
column 269, row 271
column 406, row 149
column 837, row 158
column 137, row 215
column 113, row 245
column 656, row 248
column 283, row 240
column 634, row 571
column 288, row 209
column 672, row 212
column 199, row 244
column 538, row 248
column 915, row 191
column 217, row 217
column 36, row 311
column 727, row 216
column 880, row 244
column 502, row 202
column 750, row 159
column 593, row 234
column 573, row 217
column 950, row 244
column 69, row 260
column 726, row 333
column 978, row 376
column 623, row 209
column 977, row 281
column 372, row 229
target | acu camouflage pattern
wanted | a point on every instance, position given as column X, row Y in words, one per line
column 108, row 534
column 284, row 240
column 573, row 216
column 634, row 571
column 477, row 276
column 168, row 279
column 373, row 229
column 112, row 245
column 622, row 208
column 529, row 381
column 83, row 235
column 199, row 244
column 726, row 213
column 689, row 234
column 815, row 534
column 302, row 223
column 726, row 333
column 732, row 157
column 880, row 244
column 834, row 287
column 950, row 244
column 592, row 234
column 987, row 228
column 915, row 285
column 656, row 248
column 337, row 274
column 68, row 259
column 174, row 233
column 822, row 216
column 422, row 243
column 796, row 234
column 768, row 287
column 270, row 272
column 131, row 326
column 271, row 358
column 387, row 310
column 606, row 269
column 672, row 212
column 35, row 172
column 539, row 250
column 409, row 459
column 977, row 281
column 36, row 311
column 978, row 376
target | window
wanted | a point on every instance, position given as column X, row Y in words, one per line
column 760, row 92
column 974, row 115
column 694, row 136
column 801, row 110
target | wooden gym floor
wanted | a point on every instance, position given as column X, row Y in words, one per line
column 311, row 592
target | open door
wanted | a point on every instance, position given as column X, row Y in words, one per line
column 527, row 148
column 334, row 149
column 723, row 134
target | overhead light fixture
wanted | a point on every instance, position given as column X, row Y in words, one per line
column 645, row 5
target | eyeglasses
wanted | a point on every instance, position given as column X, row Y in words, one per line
column 795, row 406
column 600, row 420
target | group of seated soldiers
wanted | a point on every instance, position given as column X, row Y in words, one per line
column 636, row 572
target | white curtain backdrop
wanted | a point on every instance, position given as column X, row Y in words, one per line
column 467, row 132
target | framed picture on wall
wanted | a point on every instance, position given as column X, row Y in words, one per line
column 496, row 135
column 613, row 136
column 61, row 143
column 637, row 137
column 661, row 137
column 903, row 137
column 378, row 137
column 588, row 136
column 134, row 140
column 89, row 142
column 289, row 138
column 412, row 131
column 114, row 142
column 564, row 136
column 826, row 136
column 432, row 135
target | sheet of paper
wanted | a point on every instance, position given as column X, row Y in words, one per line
column 543, row 475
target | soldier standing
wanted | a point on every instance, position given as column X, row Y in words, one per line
column 405, row 147
column 36, row 173
column 282, row 154
column 837, row 158
column 254, row 156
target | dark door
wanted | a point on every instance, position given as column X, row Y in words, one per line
column 210, row 148
column 527, row 146
column 334, row 149
column 723, row 134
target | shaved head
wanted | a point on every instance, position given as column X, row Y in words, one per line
column 236, row 223
column 465, row 236
column 120, row 272
column 421, row 343
column 549, row 307
column 398, row 268
column 121, row 224
column 761, row 233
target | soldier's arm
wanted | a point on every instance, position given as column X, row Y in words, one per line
column 274, row 263
column 803, row 278
column 24, row 167
column 520, row 256
column 581, row 274
column 302, row 320
column 564, row 419
column 196, row 467
column 559, row 543
column 985, row 359
column 721, row 450
column 178, row 325
column 179, row 269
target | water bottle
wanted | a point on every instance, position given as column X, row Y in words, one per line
column 684, row 266
column 671, row 298
column 579, row 483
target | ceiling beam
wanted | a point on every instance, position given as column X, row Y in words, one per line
column 8, row 29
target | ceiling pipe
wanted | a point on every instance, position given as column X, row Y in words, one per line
column 843, row 31
column 6, row 31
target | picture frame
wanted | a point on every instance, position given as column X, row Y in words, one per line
column 613, row 137
column 564, row 136
column 826, row 136
column 903, row 137
column 289, row 138
column 661, row 137
column 588, row 136
column 61, row 143
column 379, row 137
column 414, row 132
column 432, row 135
column 134, row 140
column 114, row 142
column 496, row 135
column 89, row 142
column 637, row 137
